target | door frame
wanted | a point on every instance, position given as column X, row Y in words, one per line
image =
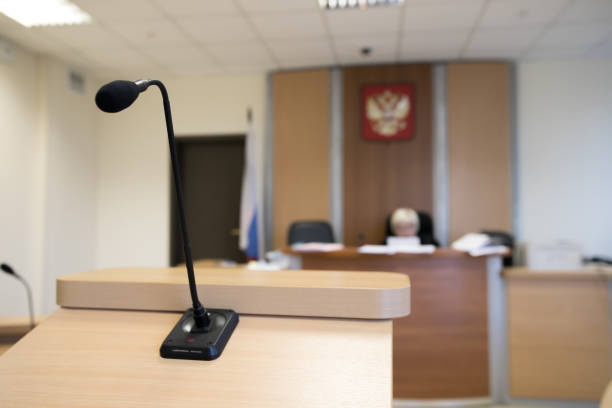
column 181, row 141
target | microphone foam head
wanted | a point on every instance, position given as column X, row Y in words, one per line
column 6, row 268
column 116, row 96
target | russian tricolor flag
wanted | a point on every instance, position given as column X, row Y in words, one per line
column 248, row 201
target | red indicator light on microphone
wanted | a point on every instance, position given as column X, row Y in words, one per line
column 189, row 339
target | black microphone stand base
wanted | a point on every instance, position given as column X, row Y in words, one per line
column 188, row 342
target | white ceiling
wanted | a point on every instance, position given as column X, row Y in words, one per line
column 195, row 37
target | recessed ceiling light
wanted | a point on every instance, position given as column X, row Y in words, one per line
column 362, row 4
column 32, row 13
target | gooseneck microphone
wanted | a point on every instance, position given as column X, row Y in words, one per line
column 6, row 268
column 200, row 334
column 115, row 97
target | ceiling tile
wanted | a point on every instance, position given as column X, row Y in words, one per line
column 438, row 42
column 219, row 30
column 556, row 53
column 289, row 25
column 153, row 32
column 179, row 55
column 429, row 56
column 587, row 11
column 241, row 54
column 196, row 8
column 34, row 42
column 432, row 16
column 80, row 36
column 513, row 13
column 383, row 48
column 238, row 68
column 501, row 42
column 7, row 23
column 193, row 70
column 379, row 45
column 570, row 36
column 368, row 22
column 302, row 52
column 120, row 58
column 119, row 10
column 374, row 58
column 278, row 5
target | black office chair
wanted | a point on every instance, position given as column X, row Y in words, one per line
column 310, row 231
column 502, row 238
column 425, row 234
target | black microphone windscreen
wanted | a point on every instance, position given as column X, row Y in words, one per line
column 116, row 96
column 7, row 269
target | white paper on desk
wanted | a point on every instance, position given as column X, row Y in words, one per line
column 471, row 241
column 415, row 249
column 403, row 241
column 376, row 249
column 489, row 250
column 317, row 247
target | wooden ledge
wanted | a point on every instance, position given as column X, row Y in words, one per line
column 358, row 295
column 588, row 273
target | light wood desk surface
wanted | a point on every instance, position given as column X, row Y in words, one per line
column 88, row 357
column 100, row 358
column 559, row 333
column 360, row 295
column 587, row 273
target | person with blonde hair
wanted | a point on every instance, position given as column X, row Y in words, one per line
column 405, row 222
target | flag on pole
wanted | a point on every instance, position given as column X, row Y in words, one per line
column 248, row 200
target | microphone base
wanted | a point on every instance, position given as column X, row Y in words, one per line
column 188, row 342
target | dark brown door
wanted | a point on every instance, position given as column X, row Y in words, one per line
column 211, row 175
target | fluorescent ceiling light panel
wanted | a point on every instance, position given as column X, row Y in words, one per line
column 31, row 13
column 362, row 4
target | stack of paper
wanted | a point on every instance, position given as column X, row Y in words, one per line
column 489, row 250
column 376, row 249
column 390, row 250
column 317, row 247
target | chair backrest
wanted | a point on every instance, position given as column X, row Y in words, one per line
column 310, row 231
column 425, row 233
column 502, row 238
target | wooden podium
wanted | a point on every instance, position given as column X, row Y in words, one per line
column 305, row 338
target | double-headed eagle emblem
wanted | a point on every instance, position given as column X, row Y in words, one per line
column 387, row 112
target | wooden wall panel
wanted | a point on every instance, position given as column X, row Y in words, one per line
column 559, row 338
column 301, row 149
column 478, row 109
column 381, row 176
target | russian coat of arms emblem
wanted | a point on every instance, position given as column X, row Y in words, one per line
column 387, row 111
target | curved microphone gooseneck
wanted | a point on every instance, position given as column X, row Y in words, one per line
column 115, row 97
column 200, row 334
column 6, row 268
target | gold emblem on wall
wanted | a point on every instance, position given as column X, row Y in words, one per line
column 387, row 112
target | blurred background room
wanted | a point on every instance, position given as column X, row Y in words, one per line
column 488, row 123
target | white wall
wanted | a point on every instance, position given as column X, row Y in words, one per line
column 565, row 153
column 70, row 178
column 47, row 180
column 81, row 189
column 134, row 189
column 21, row 161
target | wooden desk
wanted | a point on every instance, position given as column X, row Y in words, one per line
column 559, row 333
column 110, row 358
column 442, row 349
